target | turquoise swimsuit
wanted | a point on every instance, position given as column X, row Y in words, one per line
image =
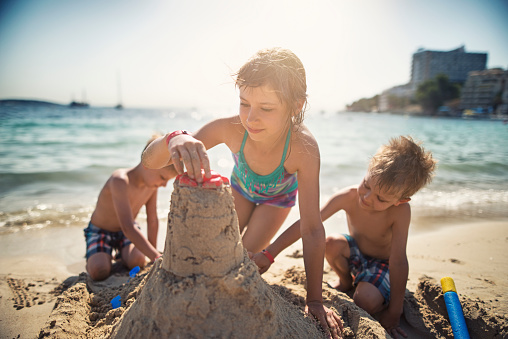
column 276, row 189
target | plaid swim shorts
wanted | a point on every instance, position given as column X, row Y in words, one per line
column 368, row 269
column 99, row 240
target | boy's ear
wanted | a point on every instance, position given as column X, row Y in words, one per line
column 402, row 201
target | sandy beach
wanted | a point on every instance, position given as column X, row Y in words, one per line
column 35, row 275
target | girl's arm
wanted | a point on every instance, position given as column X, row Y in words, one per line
column 190, row 149
column 311, row 226
column 292, row 234
column 313, row 238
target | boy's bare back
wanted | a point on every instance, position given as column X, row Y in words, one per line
column 125, row 187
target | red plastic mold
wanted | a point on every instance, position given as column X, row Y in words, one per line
column 215, row 180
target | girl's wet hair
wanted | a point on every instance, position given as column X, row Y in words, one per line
column 282, row 70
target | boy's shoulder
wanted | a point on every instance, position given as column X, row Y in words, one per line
column 400, row 209
column 119, row 176
column 120, row 173
column 345, row 197
column 400, row 215
column 349, row 192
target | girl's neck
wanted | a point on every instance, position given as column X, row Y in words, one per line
column 268, row 145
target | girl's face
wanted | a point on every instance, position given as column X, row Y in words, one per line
column 373, row 199
column 262, row 113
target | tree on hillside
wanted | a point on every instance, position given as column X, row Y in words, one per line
column 364, row 104
column 434, row 92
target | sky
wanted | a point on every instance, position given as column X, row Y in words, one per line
column 163, row 54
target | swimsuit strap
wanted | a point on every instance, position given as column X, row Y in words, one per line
column 286, row 146
column 261, row 182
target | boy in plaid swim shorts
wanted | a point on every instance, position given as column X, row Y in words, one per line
column 112, row 225
column 372, row 258
column 368, row 269
column 99, row 240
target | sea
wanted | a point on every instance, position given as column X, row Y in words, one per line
column 55, row 159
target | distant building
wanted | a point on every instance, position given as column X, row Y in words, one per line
column 456, row 64
column 486, row 91
column 389, row 98
column 426, row 65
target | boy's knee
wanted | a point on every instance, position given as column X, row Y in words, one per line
column 334, row 245
column 369, row 299
column 98, row 266
column 133, row 257
column 99, row 273
column 368, row 305
column 139, row 260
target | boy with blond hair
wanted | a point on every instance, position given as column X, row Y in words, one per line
column 372, row 257
column 113, row 225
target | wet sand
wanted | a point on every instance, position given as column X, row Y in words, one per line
column 42, row 285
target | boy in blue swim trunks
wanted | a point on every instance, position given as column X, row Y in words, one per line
column 113, row 227
column 372, row 257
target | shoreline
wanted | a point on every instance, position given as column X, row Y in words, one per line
column 474, row 254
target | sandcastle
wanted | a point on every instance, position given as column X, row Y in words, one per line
column 205, row 286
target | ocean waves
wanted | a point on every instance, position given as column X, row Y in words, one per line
column 54, row 161
column 44, row 215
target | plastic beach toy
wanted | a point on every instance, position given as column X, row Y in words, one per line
column 116, row 302
column 215, row 180
column 134, row 271
column 454, row 309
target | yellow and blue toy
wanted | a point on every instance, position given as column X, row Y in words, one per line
column 454, row 309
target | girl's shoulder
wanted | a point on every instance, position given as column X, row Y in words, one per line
column 231, row 124
column 228, row 130
column 303, row 141
column 303, row 150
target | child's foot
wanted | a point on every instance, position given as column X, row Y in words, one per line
column 336, row 284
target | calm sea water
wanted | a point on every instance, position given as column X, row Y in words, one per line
column 54, row 161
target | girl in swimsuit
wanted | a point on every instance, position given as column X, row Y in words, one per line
column 272, row 148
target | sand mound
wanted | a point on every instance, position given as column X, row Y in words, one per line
column 206, row 286
column 426, row 310
column 83, row 310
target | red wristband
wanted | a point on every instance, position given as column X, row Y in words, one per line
column 174, row 134
column 269, row 256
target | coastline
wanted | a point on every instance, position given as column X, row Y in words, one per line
column 40, row 262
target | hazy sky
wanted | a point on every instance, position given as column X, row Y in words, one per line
column 182, row 53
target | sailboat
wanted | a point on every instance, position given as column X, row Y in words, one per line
column 119, row 92
column 82, row 103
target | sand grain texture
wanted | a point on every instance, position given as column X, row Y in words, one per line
column 205, row 286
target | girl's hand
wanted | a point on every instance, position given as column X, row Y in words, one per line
column 189, row 150
column 261, row 261
column 329, row 320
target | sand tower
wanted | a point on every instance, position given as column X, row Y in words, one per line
column 205, row 286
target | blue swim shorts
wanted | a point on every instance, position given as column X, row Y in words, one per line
column 99, row 240
column 368, row 269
